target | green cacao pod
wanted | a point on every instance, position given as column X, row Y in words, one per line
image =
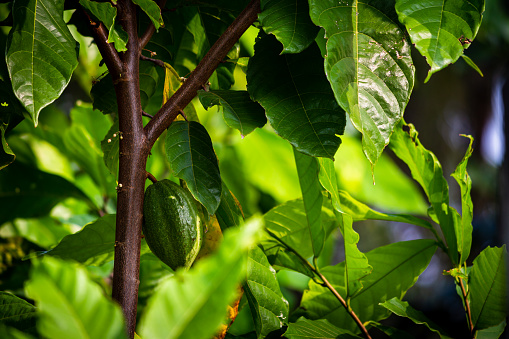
column 173, row 227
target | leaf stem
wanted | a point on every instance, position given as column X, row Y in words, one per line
column 467, row 306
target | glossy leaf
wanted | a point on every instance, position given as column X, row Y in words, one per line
column 360, row 211
column 396, row 268
column 191, row 155
column 70, row 304
column 269, row 308
column 152, row 10
column 440, row 29
column 17, row 312
column 229, row 213
column 487, row 283
column 41, row 53
column 316, row 329
column 22, row 186
column 308, row 168
column 289, row 21
column 239, row 111
column 106, row 13
column 193, row 304
column 93, row 245
column 464, row 228
column 110, row 147
column 403, row 309
column 368, row 64
column 297, row 99
column 427, row 171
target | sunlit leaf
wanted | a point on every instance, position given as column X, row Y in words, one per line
column 289, row 21
column 296, row 96
column 269, row 308
column 239, row 111
column 193, row 304
column 106, row 13
column 308, row 168
column 403, row 309
column 396, row 268
column 368, row 64
column 43, row 231
column 70, row 304
column 316, row 329
column 41, row 53
column 440, row 29
column 152, row 10
column 192, row 158
column 487, row 283
column 472, row 64
column 17, row 312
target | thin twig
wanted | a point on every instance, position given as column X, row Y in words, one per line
column 151, row 177
column 158, row 62
column 467, row 307
column 145, row 114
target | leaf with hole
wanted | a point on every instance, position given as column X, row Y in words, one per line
column 368, row 64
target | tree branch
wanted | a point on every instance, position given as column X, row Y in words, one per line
column 202, row 72
column 147, row 35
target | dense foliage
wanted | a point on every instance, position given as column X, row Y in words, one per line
column 308, row 89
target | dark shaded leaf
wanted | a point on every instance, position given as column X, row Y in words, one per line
column 296, row 96
column 316, row 329
column 110, row 147
column 229, row 213
column 17, row 312
column 152, row 10
column 368, row 64
column 289, row 21
column 41, row 53
column 239, row 111
column 191, row 155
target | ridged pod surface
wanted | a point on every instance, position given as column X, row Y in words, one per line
column 172, row 227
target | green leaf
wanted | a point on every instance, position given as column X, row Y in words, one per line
column 191, row 155
column 193, row 304
column 45, row 232
column 440, row 29
column 229, row 213
column 491, row 332
column 472, row 64
column 26, row 192
column 41, row 53
column 396, row 268
column 289, row 21
column 152, row 10
column 70, row 304
column 427, row 171
column 297, row 99
column 239, row 111
column 488, row 288
column 7, row 156
column 403, row 309
column 368, row 64
column 360, row 211
column 110, row 147
column 17, row 312
column 269, row 308
column 12, row 333
column 464, row 228
column 11, row 114
column 93, row 245
column 308, row 168
column 316, row 329
column 106, row 13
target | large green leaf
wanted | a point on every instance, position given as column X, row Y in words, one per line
column 441, row 29
column 106, row 13
column 193, row 304
column 70, row 304
column 298, row 101
column 239, row 111
column 396, row 268
column 308, row 168
column 487, row 283
column 464, row 229
column 93, row 245
column 152, row 10
column 368, row 64
column 45, row 232
column 26, row 192
column 403, row 309
column 41, row 53
column 493, row 332
column 427, row 171
column 229, row 212
column 17, row 312
column 316, row 329
column 289, row 21
column 269, row 308
column 192, row 158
